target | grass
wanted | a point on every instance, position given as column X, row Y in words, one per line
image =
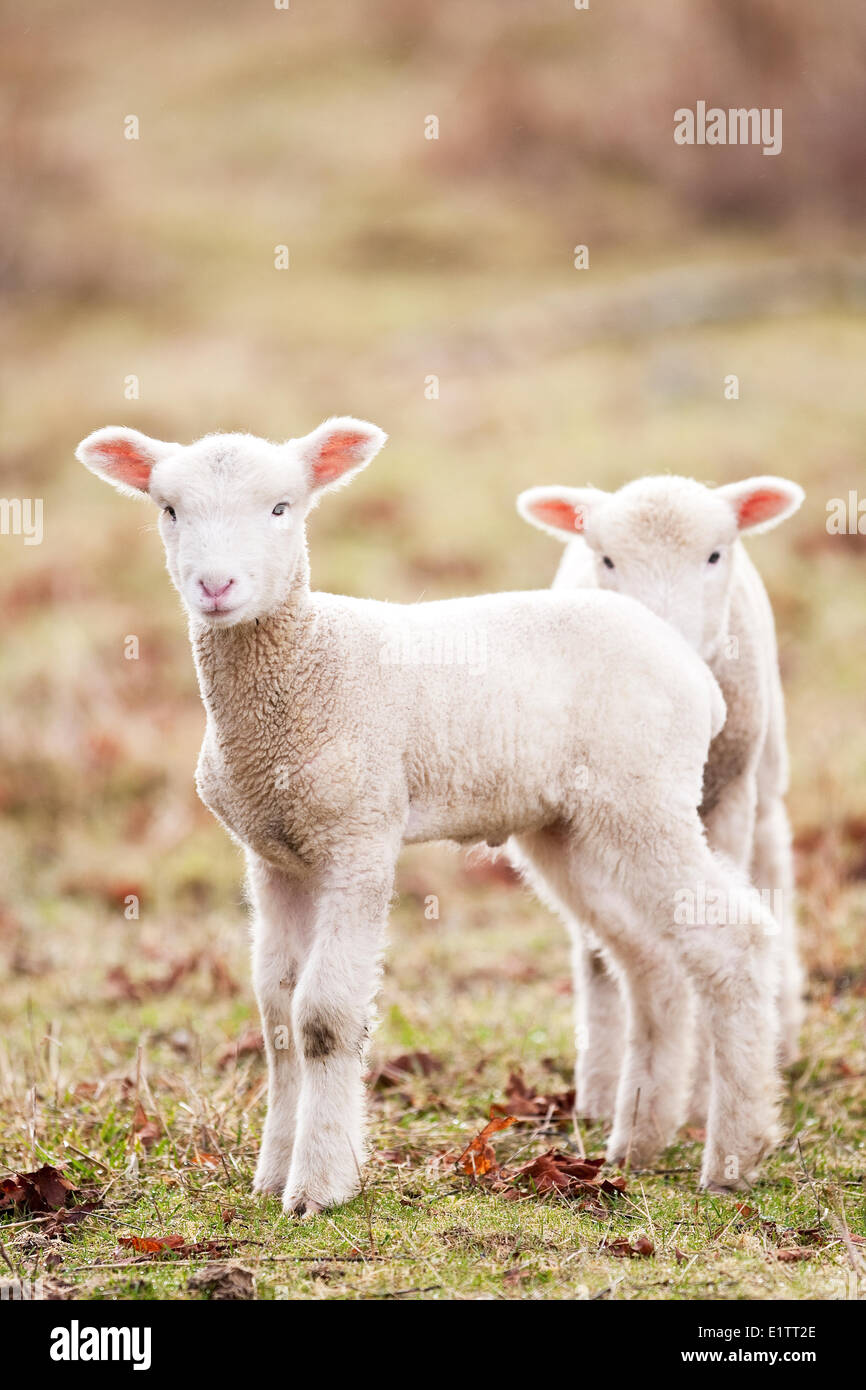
column 484, row 988
column 156, row 259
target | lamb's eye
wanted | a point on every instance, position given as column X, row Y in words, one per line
column 608, row 561
column 170, row 511
column 714, row 558
column 280, row 508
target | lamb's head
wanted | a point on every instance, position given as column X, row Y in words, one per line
column 666, row 541
column 232, row 507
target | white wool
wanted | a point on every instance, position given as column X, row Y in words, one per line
column 575, row 726
column 674, row 545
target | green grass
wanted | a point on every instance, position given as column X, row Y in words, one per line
column 485, row 990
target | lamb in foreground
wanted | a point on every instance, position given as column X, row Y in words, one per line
column 338, row 728
column 674, row 544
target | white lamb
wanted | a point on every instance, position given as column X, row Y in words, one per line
column 674, row 544
column 576, row 723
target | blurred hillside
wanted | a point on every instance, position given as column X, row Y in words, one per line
column 410, row 258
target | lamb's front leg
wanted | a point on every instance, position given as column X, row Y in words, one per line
column 282, row 931
column 331, row 1018
column 730, row 827
column 734, row 971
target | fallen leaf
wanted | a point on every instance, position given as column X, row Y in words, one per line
column 144, row 1129
column 397, row 1156
column 794, row 1252
column 45, row 1189
column 152, row 1245
column 251, row 1042
column 641, row 1248
column 557, row 1171
column 478, row 1159
column 206, row 1160
column 526, row 1104
column 395, row 1071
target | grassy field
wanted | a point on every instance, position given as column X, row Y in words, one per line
column 127, row 1044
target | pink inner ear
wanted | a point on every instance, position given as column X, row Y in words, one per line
column 555, row 511
column 760, row 506
column 126, row 463
column 339, row 452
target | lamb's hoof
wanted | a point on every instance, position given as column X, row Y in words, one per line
column 269, row 1183
column 638, row 1154
column 302, row 1207
column 268, row 1187
column 729, row 1188
column 596, row 1102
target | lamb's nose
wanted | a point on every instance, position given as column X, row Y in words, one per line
column 213, row 588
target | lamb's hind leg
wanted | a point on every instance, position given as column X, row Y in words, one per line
column 653, row 1083
column 282, row 927
column 599, row 1028
column 733, row 970
column 773, row 872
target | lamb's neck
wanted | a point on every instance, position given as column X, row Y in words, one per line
column 254, row 667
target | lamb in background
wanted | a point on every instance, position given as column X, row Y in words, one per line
column 674, row 544
column 576, row 723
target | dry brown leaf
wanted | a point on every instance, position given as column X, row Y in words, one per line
column 640, row 1248
column 478, row 1160
column 206, row 1160
column 144, row 1129
column 564, row 1173
column 174, row 1244
column 525, row 1103
column 45, row 1189
column 152, row 1245
column 396, row 1069
column 249, row 1044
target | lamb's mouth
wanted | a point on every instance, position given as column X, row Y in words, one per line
column 220, row 615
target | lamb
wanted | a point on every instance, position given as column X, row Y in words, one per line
column 576, row 730
column 674, row 544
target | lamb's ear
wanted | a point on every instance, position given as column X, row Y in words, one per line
column 761, row 503
column 337, row 450
column 563, row 511
column 123, row 457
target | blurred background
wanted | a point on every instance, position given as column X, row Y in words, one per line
column 431, row 288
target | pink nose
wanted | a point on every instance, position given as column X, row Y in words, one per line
column 214, row 589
